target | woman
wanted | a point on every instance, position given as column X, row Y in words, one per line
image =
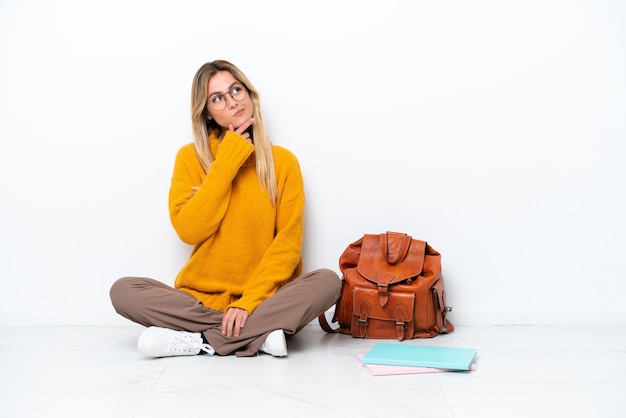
column 239, row 200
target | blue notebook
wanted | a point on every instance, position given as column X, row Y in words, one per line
column 456, row 358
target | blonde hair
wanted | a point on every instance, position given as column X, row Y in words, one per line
column 203, row 127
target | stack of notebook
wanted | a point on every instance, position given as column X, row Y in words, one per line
column 398, row 358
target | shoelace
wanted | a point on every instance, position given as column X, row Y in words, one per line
column 186, row 343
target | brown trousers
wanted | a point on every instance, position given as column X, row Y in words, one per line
column 151, row 303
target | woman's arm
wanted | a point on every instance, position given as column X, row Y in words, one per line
column 198, row 202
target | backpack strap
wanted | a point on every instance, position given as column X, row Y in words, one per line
column 325, row 325
column 400, row 312
column 363, row 309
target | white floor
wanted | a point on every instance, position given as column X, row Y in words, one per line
column 522, row 371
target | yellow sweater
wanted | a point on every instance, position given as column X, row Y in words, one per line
column 245, row 248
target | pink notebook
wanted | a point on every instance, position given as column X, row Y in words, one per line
column 383, row 370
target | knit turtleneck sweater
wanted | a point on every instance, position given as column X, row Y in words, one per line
column 245, row 247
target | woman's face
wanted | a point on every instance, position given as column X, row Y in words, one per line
column 227, row 92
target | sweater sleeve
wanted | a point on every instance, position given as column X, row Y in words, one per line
column 282, row 261
column 197, row 203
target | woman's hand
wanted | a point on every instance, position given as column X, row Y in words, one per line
column 242, row 128
column 234, row 319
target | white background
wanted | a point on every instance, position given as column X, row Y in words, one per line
column 493, row 130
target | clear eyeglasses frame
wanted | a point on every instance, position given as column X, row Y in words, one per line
column 217, row 101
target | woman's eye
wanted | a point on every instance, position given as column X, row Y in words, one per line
column 235, row 90
column 217, row 99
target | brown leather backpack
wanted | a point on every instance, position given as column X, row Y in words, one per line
column 392, row 287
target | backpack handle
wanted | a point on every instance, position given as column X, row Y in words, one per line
column 395, row 246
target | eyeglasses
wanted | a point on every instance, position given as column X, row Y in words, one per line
column 217, row 101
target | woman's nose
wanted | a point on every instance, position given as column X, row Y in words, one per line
column 230, row 102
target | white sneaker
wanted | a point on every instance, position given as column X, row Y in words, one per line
column 165, row 342
column 275, row 344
